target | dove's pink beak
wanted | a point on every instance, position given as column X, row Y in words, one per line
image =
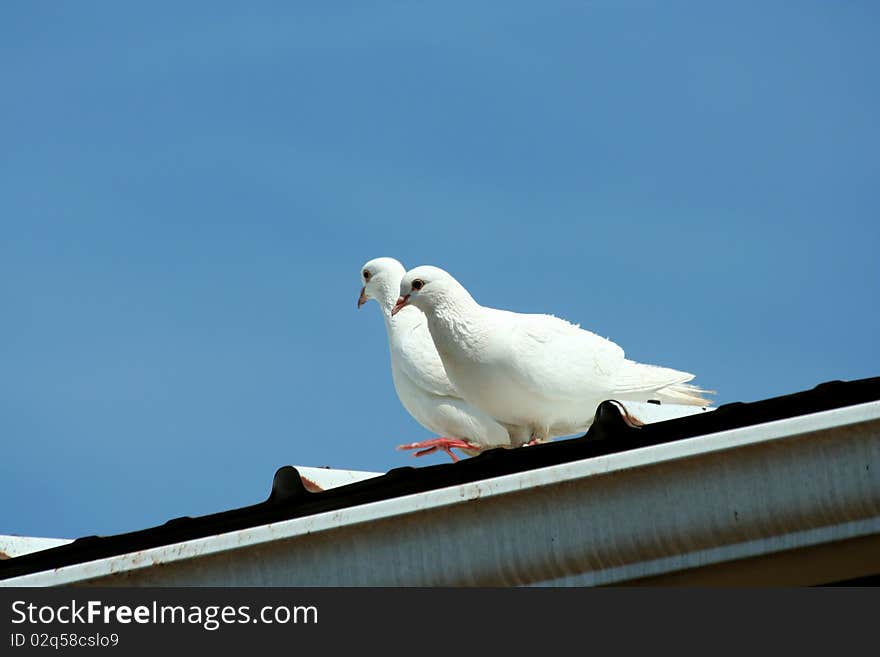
column 401, row 302
column 363, row 298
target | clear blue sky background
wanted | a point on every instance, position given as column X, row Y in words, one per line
column 188, row 191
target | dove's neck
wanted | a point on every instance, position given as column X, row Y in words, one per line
column 386, row 299
column 402, row 321
column 454, row 323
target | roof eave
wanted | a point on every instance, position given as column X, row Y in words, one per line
column 758, row 491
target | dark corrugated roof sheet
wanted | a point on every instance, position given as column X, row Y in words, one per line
column 290, row 499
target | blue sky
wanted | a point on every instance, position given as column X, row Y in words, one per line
column 188, row 191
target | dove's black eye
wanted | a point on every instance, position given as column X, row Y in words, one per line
column 418, row 284
column 367, row 274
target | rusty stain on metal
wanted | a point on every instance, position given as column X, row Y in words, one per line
column 310, row 485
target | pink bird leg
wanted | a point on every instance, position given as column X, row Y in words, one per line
column 446, row 444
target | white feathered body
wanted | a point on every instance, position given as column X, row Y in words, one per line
column 540, row 371
column 424, row 389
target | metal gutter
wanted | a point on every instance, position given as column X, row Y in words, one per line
column 765, row 489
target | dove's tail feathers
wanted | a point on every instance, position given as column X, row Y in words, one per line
column 684, row 393
column 641, row 382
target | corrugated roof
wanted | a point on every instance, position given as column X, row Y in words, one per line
column 289, row 498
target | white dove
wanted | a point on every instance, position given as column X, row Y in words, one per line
column 418, row 375
column 537, row 374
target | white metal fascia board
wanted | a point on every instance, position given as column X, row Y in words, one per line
column 598, row 520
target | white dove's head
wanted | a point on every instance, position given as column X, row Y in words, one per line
column 381, row 280
column 424, row 287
